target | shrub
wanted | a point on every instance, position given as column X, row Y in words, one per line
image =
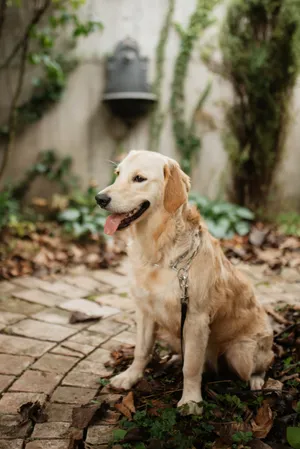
column 223, row 219
column 260, row 46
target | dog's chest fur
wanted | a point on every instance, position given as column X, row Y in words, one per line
column 157, row 292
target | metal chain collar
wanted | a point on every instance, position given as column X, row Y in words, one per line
column 183, row 272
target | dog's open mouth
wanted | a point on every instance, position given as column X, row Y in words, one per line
column 116, row 222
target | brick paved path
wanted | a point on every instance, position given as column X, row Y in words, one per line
column 43, row 357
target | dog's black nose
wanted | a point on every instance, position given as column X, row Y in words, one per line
column 102, row 199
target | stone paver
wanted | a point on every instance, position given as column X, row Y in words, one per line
column 10, row 427
column 86, row 283
column 88, row 307
column 83, row 349
column 59, row 412
column 64, row 289
column 61, row 350
column 109, row 277
column 39, row 297
column 127, row 337
column 14, row 364
column 7, row 318
column 11, row 444
column 78, row 379
column 121, row 302
column 19, row 306
column 89, row 338
column 11, row 402
column 55, row 363
column 40, row 330
column 57, row 316
column 73, row 395
column 5, row 381
column 29, row 282
column 36, row 382
column 109, row 327
column 99, row 435
column 7, row 287
column 112, row 344
column 90, row 366
column 100, row 356
column 10, row 344
column 48, row 444
column 51, row 430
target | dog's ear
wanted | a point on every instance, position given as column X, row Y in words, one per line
column 176, row 188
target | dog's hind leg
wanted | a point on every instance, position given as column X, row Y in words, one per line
column 250, row 360
column 240, row 358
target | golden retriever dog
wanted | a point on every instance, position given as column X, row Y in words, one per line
column 224, row 318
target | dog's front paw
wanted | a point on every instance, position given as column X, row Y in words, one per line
column 189, row 408
column 126, row 379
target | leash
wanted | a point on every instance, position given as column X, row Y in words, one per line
column 183, row 278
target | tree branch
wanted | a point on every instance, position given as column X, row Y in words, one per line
column 3, row 6
column 13, row 109
column 35, row 19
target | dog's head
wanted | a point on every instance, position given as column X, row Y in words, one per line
column 146, row 181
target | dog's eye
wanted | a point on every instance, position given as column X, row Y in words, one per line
column 139, row 179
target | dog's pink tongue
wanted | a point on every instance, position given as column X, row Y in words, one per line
column 112, row 223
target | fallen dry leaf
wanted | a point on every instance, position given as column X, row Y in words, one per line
column 75, row 438
column 128, row 401
column 124, row 410
column 83, row 415
column 33, row 411
column 272, row 384
column 263, row 422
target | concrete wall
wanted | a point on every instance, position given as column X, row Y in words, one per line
column 81, row 126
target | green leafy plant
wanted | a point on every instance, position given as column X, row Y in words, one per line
column 223, row 219
column 260, row 46
column 9, row 208
column 39, row 46
column 289, row 223
column 293, row 437
column 241, row 438
column 52, row 167
column 82, row 217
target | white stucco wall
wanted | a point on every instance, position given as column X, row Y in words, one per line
column 81, row 126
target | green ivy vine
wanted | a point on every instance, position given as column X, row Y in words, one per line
column 54, row 67
column 158, row 115
column 187, row 142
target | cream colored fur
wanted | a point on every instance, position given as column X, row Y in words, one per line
column 224, row 316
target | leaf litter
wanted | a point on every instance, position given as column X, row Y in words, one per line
column 48, row 250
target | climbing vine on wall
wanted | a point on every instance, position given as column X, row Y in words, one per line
column 157, row 117
column 38, row 47
column 187, row 142
column 260, row 42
